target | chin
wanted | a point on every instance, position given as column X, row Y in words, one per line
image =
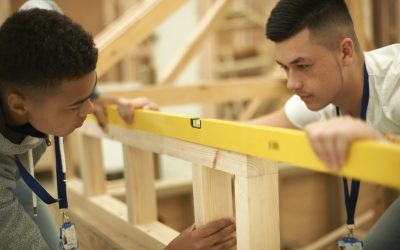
column 65, row 133
column 57, row 132
column 62, row 134
column 315, row 107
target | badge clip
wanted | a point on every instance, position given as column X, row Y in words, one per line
column 351, row 230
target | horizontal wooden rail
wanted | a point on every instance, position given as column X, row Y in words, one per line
column 371, row 161
column 113, row 214
column 203, row 92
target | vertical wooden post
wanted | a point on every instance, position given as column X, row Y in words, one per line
column 356, row 11
column 207, row 62
column 257, row 208
column 92, row 169
column 397, row 20
column 127, row 63
column 381, row 23
column 71, row 154
column 212, row 194
column 109, row 14
column 139, row 183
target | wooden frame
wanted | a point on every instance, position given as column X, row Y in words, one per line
column 210, row 170
column 225, row 182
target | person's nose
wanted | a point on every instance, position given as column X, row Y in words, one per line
column 87, row 108
column 293, row 82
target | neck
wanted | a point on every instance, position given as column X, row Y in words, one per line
column 350, row 100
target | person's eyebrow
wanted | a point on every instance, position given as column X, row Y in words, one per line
column 297, row 60
column 294, row 62
column 79, row 102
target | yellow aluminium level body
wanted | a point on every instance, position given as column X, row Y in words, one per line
column 371, row 161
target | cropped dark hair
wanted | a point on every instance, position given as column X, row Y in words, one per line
column 328, row 20
column 41, row 48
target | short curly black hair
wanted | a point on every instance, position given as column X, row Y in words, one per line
column 41, row 48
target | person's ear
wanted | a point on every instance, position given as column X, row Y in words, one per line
column 347, row 51
column 17, row 103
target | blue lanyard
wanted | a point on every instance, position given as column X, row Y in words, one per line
column 351, row 198
column 35, row 186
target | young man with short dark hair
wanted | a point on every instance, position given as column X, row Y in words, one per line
column 340, row 93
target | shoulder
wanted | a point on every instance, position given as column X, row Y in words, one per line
column 383, row 66
column 383, row 60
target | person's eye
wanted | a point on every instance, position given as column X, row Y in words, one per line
column 73, row 108
column 303, row 66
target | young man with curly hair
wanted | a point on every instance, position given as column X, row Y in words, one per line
column 340, row 93
column 47, row 79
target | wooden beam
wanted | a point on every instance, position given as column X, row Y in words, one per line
column 164, row 188
column 92, row 168
column 207, row 25
column 93, row 233
column 113, row 214
column 356, row 10
column 381, row 11
column 109, row 14
column 127, row 63
column 72, row 154
column 244, row 65
column 257, row 209
column 139, row 180
column 130, row 29
column 236, row 89
column 222, row 160
column 212, row 194
column 247, row 12
column 251, row 109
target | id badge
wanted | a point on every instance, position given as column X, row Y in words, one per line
column 349, row 243
column 68, row 236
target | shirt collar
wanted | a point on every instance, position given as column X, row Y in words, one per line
column 16, row 134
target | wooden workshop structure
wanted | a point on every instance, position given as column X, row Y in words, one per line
column 231, row 177
column 274, row 203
